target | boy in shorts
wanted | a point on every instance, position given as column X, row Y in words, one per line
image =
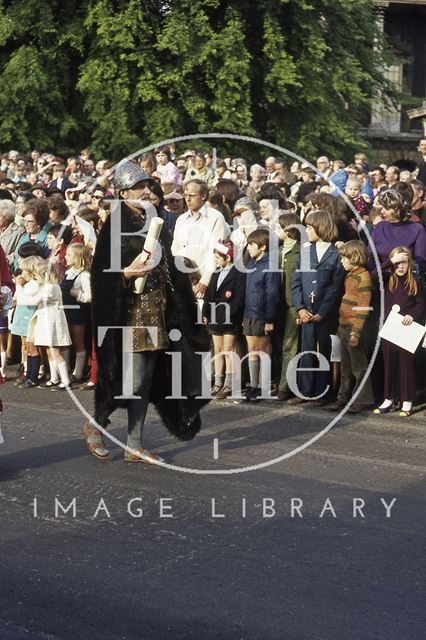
column 262, row 300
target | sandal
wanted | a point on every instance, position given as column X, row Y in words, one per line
column 142, row 455
column 388, row 409
column 223, row 393
column 95, row 442
column 215, row 389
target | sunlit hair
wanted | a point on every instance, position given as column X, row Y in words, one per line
column 410, row 280
column 31, row 264
column 323, row 225
column 80, row 255
column 353, row 183
column 391, row 199
column 355, row 251
column 40, row 270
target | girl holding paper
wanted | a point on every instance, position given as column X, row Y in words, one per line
column 403, row 290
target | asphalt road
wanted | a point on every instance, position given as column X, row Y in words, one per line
column 282, row 556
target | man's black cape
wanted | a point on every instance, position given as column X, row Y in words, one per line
column 111, row 301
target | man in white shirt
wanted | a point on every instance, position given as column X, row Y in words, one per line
column 270, row 169
column 197, row 231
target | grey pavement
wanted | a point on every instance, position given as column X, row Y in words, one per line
column 254, row 568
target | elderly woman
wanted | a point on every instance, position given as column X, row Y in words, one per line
column 257, row 175
column 36, row 215
column 10, row 232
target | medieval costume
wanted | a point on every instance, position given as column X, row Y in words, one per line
column 167, row 302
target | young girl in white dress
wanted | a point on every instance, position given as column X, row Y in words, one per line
column 48, row 327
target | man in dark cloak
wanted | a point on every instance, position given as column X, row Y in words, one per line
column 167, row 304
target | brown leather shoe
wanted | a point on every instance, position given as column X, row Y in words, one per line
column 319, row 403
column 336, row 406
column 215, row 390
column 225, row 392
column 142, row 455
column 293, row 402
column 359, row 408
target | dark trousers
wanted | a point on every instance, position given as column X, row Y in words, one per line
column 354, row 363
column 143, row 369
column 315, row 336
column 400, row 382
column 290, row 345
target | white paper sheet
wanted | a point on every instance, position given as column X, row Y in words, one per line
column 407, row 337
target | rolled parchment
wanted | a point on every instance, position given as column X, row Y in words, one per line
column 150, row 245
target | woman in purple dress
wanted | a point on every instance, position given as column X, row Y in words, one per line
column 397, row 230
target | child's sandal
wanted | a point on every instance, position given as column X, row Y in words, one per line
column 215, row 389
column 379, row 411
column 405, row 414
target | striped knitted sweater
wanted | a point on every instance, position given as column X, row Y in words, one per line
column 354, row 310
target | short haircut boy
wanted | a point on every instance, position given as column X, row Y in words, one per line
column 61, row 231
column 259, row 237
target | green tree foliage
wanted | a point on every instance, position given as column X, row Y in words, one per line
column 40, row 54
column 118, row 75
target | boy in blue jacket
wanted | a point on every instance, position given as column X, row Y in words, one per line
column 263, row 294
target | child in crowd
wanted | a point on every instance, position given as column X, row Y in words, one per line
column 403, row 290
column 262, row 299
column 289, row 255
column 353, row 312
column 223, row 312
column 58, row 238
column 29, row 268
column 6, row 298
column 316, row 294
column 361, row 202
column 26, row 285
column 48, row 326
column 77, row 293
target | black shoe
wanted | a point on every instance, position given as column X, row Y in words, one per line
column 27, row 384
column 255, row 394
column 48, row 385
column 60, row 387
column 247, row 393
